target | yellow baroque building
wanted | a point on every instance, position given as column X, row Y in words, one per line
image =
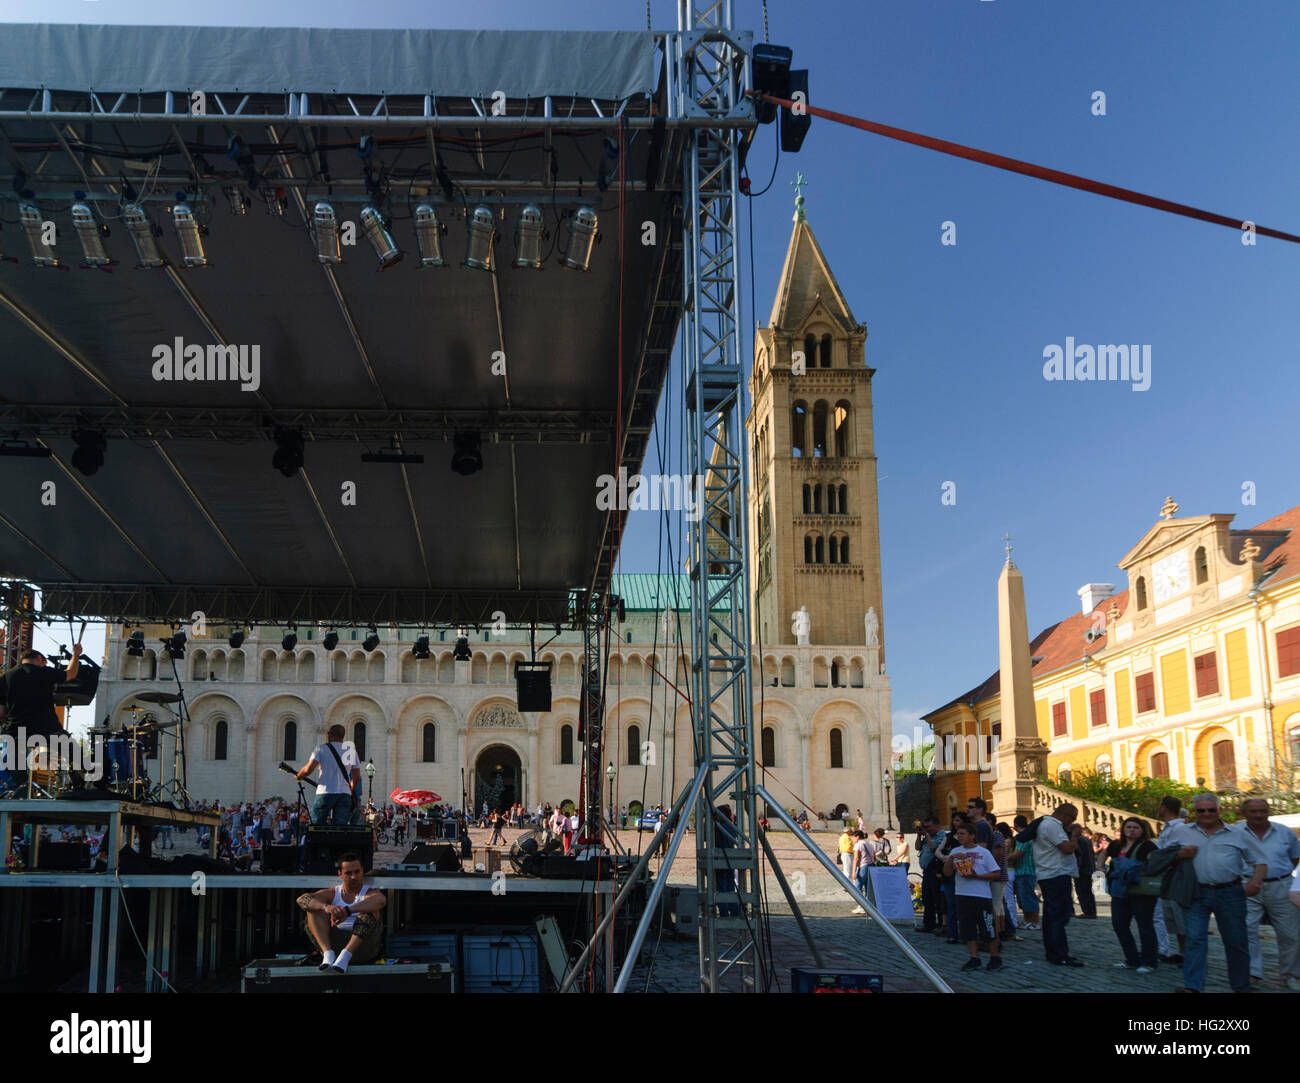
column 1191, row 673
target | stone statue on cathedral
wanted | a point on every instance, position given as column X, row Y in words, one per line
column 802, row 625
column 873, row 628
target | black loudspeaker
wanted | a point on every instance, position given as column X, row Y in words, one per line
column 63, row 855
column 441, row 858
column 325, row 845
column 533, row 686
column 771, row 76
column 277, row 858
column 794, row 128
column 79, row 691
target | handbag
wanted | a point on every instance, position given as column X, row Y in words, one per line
column 1148, row 885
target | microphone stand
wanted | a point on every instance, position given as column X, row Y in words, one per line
column 184, row 716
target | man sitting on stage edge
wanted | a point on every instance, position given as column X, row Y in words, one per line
column 343, row 921
column 340, row 778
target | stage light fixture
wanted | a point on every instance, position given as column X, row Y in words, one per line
column 236, row 640
column 88, row 230
column 461, row 653
column 175, row 646
column 481, row 225
column 235, row 196
column 528, row 238
column 771, row 76
column 135, row 644
column 289, row 641
column 467, row 454
column 187, row 229
column 371, row 641
column 326, row 224
column 288, row 456
column 331, row 640
column 89, row 453
column 43, row 255
column 582, row 235
column 372, row 225
column 421, row 648
column 141, row 230
column 428, row 235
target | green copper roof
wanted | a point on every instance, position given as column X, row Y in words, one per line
column 650, row 593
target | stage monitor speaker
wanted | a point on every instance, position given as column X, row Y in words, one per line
column 442, row 857
column 66, row 856
column 325, row 845
column 533, row 686
column 278, row 858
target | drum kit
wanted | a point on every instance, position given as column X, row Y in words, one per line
column 126, row 751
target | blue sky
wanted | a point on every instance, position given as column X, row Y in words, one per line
column 1201, row 108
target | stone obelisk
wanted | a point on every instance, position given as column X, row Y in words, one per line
column 1021, row 754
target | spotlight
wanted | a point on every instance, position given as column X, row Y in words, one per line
column 371, row 641
column 141, row 230
column 43, row 255
column 88, row 230
column 461, row 653
column 528, row 238
column 327, row 234
column 428, row 235
column 372, row 225
column 89, row 454
column 482, row 225
column 291, row 640
column 466, row 456
column 582, row 235
column 331, row 640
column 236, row 640
column 135, row 645
column 288, row 451
column 771, row 76
column 175, row 645
column 421, row 648
column 235, row 195
column 187, row 229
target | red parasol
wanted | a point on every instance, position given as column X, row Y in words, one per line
column 414, row 798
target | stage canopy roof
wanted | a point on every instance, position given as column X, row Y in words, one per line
column 187, row 512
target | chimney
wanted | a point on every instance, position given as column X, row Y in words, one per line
column 1093, row 594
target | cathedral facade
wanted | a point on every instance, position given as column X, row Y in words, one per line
column 821, row 696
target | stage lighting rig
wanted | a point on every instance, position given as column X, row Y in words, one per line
column 428, row 235
column 43, row 255
column 90, row 232
column 582, row 235
column 288, row 457
column 467, row 454
column 372, row 225
column 461, row 653
column 529, row 236
column 481, row 225
column 89, row 454
column 331, row 640
column 290, row 641
column 326, row 225
column 371, row 641
column 190, row 233
column 142, row 232
column 421, row 648
column 236, row 639
column 175, row 645
column 135, row 644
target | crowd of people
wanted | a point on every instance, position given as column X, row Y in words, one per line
column 982, row 880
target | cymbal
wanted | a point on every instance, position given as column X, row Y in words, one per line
column 158, row 697
column 100, row 729
column 155, row 725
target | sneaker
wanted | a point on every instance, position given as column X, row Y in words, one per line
column 995, row 963
column 1124, row 966
column 971, row 964
column 857, row 910
column 1146, row 970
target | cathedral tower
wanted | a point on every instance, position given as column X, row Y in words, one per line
column 812, row 500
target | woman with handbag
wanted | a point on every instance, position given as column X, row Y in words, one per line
column 1126, row 856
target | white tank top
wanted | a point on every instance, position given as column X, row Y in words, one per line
column 350, row 920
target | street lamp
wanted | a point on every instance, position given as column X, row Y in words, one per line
column 609, row 774
column 889, row 786
column 370, row 774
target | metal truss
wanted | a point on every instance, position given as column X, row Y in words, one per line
column 19, row 422
column 709, row 74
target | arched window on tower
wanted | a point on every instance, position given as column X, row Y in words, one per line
column 807, row 499
column 826, row 352
column 290, row 741
column 844, row 500
column 799, row 430
column 819, row 550
column 810, row 350
column 831, row 504
column 819, row 431
column 843, row 445
column 359, row 739
column 1202, row 565
column 835, row 550
column 634, row 746
column 808, row 549
column 817, row 499
column 1141, row 592
column 429, row 743
column 220, row 738
column 566, row 744
column 844, row 550
column 769, row 747
column 837, row 748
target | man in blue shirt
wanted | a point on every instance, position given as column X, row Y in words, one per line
column 1282, row 848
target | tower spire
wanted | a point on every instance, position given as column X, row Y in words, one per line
column 798, row 185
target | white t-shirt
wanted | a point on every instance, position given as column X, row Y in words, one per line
column 351, row 919
column 864, row 853
column 980, row 860
column 1048, row 860
column 332, row 780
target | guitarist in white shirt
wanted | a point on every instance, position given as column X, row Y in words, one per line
column 340, row 779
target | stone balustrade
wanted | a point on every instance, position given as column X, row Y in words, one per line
column 1094, row 816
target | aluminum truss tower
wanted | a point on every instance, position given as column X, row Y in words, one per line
column 712, row 72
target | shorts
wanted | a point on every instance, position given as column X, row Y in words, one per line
column 975, row 918
column 367, row 927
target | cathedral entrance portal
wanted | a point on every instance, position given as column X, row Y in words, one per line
column 497, row 777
